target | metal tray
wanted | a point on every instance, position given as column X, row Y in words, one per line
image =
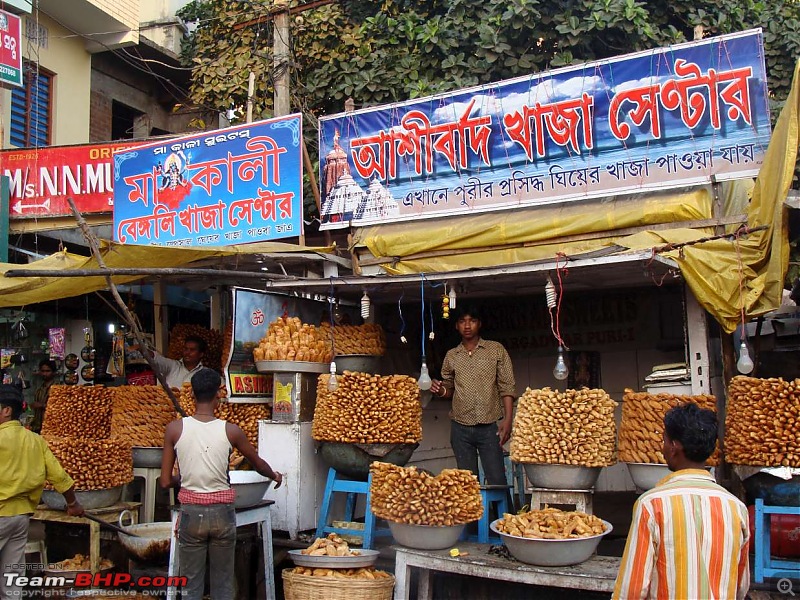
column 291, row 366
column 73, row 574
column 367, row 558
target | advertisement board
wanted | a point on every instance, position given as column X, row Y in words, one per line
column 253, row 312
column 682, row 115
column 41, row 179
column 216, row 188
column 10, row 49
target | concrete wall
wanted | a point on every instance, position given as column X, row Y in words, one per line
column 126, row 11
column 65, row 55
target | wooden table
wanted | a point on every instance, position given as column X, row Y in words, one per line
column 259, row 513
column 596, row 574
column 109, row 514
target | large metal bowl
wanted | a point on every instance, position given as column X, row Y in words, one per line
column 551, row 553
column 561, row 477
column 362, row 363
column 424, row 537
column 147, row 457
column 646, row 475
column 152, row 541
column 87, row 498
column 353, row 460
column 250, row 487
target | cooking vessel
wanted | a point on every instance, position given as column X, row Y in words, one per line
column 152, row 542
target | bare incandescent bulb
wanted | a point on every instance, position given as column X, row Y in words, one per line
column 560, row 371
column 424, row 381
column 332, row 383
column 745, row 363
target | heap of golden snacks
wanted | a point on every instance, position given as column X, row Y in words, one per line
column 357, row 339
column 291, row 339
column 362, row 573
column 573, row 427
column 81, row 562
column 368, row 409
column 78, row 411
column 551, row 524
column 762, row 425
column 213, row 338
column 77, row 428
column 407, row 495
column 333, row 545
column 140, row 414
column 641, row 432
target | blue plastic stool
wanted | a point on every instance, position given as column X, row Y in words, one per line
column 765, row 565
column 492, row 495
column 338, row 483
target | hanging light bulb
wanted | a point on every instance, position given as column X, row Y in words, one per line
column 745, row 363
column 550, row 293
column 332, row 383
column 560, row 371
column 424, row 381
column 452, row 298
column 365, row 306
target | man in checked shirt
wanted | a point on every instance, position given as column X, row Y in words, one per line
column 478, row 376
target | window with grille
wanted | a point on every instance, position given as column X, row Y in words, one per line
column 31, row 108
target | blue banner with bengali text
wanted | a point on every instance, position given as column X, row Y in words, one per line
column 216, row 188
column 682, row 115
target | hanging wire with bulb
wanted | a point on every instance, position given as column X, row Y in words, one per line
column 424, row 380
column 745, row 364
column 553, row 298
column 332, row 381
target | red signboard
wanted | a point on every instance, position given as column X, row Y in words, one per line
column 41, row 179
column 10, row 49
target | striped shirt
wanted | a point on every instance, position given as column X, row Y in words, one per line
column 479, row 380
column 688, row 540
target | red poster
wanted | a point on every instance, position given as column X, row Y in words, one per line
column 41, row 179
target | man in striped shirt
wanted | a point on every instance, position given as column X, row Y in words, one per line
column 689, row 537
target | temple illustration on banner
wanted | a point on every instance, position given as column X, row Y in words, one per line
column 344, row 200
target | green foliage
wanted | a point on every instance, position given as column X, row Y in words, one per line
column 378, row 52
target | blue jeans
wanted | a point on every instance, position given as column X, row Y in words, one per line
column 207, row 531
column 470, row 441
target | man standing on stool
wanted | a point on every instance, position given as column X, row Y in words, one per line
column 478, row 375
column 207, row 520
column 689, row 537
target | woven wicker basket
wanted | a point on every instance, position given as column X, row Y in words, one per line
column 308, row 587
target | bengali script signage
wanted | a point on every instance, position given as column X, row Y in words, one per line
column 41, row 179
column 673, row 116
column 232, row 186
column 10, row 49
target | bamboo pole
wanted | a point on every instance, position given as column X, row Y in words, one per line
column 143, row 272
column 132, row 323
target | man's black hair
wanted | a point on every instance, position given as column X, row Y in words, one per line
column 205, row 384
column 11, row 396
column 695, row 428
column 48, row 363
column 201, row 343
column 471, row 310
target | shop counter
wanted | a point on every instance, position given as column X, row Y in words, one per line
column 596, row 574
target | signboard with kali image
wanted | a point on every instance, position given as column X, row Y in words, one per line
column 216, row 188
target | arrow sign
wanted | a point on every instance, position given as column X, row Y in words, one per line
column 19, row 207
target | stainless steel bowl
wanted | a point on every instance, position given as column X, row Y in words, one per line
column 362, row 363
column 87, row 498
column 561, row 477
column 646, row 475
column 424, row 537
column 250, row 487
column 147, row 457
column 551, row 553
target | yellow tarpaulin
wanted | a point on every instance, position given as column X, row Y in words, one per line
column 19, row 291
column 711, row 269
column 749, row 270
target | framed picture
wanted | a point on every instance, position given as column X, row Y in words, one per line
column 584, row 369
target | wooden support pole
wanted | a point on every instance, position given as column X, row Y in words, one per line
column 132, row 322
